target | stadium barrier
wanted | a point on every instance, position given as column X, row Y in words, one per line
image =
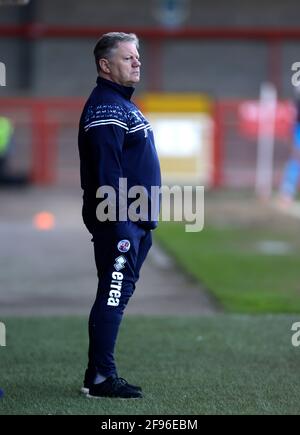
column 45, row 140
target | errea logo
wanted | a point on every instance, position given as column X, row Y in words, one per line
column 119, row 263
column 115, row 289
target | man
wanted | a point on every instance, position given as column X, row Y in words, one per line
column 115, row 144
column 291, row 177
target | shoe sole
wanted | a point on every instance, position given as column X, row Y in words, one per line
column 85, row 391
column 88, row 396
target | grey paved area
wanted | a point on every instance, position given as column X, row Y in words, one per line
column 53, row 272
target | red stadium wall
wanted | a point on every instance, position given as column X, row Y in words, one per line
column 157, row 36
column 45, row 142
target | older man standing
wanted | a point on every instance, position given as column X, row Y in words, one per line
column 115, row 143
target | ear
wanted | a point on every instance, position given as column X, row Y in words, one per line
column 104, row 65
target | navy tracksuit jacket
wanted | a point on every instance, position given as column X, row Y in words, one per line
column 115, row 141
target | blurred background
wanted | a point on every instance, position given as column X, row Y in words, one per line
column 218, row 85
column 204, row 63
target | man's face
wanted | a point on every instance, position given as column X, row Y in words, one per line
column 124, row 64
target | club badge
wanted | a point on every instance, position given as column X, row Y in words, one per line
column 124, row 246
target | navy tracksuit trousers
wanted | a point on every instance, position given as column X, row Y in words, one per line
column 120, row 251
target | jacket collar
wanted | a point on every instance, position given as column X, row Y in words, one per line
column 126, row 91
